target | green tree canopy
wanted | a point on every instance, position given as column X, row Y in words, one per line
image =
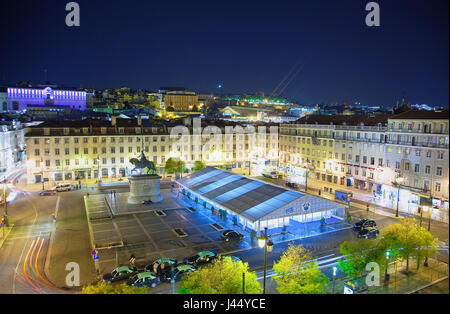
column 199, row 165
column 295, row 274
column 174, row 166
column 359, row 254
column 104, row 288
column 222, row 277
column 408, row 239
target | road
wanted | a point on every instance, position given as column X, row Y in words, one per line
column 23, row 255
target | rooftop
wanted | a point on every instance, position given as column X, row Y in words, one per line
column 251, row 199
column 422, row 115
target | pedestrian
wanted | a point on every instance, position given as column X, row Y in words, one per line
column 132, row 260
column 367, row 208
column 87, row 194
column 320, row 192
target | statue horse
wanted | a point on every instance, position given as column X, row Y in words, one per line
column 143, row 163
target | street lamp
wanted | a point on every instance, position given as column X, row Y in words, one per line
column 98, row 170
column 5, row 219
column 306, row 165
column 399, row 181
column 386, row 275
column 334, row 277
column 268, row 246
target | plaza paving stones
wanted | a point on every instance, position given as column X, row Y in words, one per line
column 150, row 237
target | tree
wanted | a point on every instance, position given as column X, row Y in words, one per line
column 222, row 277
column 408, row 239
column 359, row 254
column 199, row 165
column 170, row 166
column 296, row 274
column 104, row 288
column 174, row 166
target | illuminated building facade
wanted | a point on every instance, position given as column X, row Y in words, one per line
column 370, row 152
column 96, row 148
column 19, row 98
column 12, row 146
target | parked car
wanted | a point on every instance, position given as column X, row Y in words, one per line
column 364, row 223
column 48, row 193
column 230, row 235
column 119, row 273
column 233, row 258
column 63, row 187
column 161, row 265
column 292, row 185
column 178, row 272
column 368, row 232
column 270, row 174
column 144, row 279
column 201, row 258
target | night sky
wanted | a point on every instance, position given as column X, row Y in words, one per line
column 248, row 46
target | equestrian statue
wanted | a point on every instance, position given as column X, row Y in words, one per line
column 143, row 165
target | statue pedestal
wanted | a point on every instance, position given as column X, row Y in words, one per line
column 144, row 188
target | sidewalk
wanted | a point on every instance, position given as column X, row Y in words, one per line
column 360, row 198
column 399, row 282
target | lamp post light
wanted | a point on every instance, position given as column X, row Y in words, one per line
column 5, row 219
column 386, row 275
column 98, row 170
column 334, row 277
column 264, row 241
column 306, row 165
column 399, row 181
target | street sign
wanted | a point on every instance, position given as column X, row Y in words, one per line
column 95, row 255
column 347, row 290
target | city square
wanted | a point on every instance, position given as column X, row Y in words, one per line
column 182, row 156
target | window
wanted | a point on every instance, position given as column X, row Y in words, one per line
column 357, row 158
column 406, row 166
column 113, row 160
column 66, row 141
column 67, row 162
column 76, row 151
column 47, row 163
column 36, row 141
column 440, row 155
column 439, row 171
column 57, row 163
column 372, row 161
column 418, row 152
column 397, row 165
column 75, row 140
column 417, row 168
column 437, row 187
column 113, row 150
column 95, row 150
column 103, row 150
column 56, row 151
column 56, row 140
column 85, row 140
column 130, row 149
column 36, row 152
column 86, row 151
column 67, row 151
column 427, row 169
